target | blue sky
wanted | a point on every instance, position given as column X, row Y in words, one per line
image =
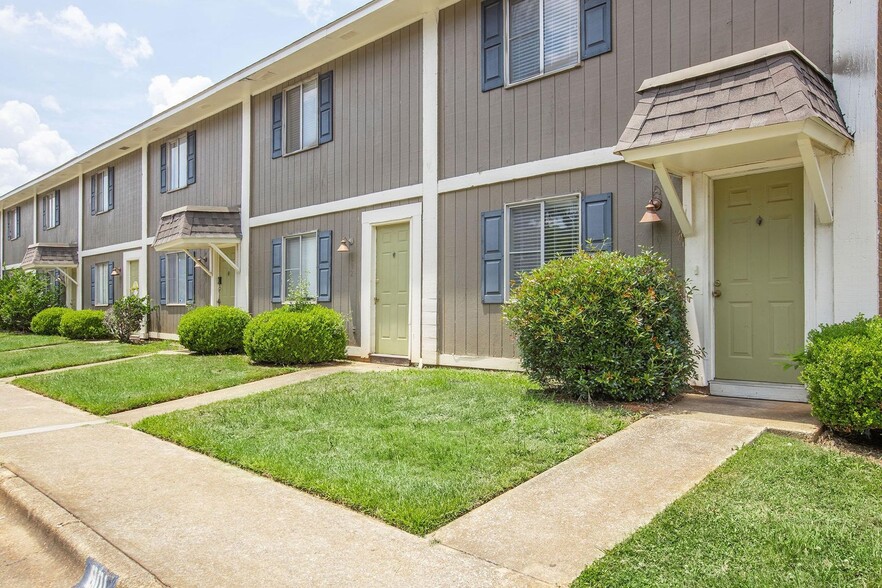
column 76, row 74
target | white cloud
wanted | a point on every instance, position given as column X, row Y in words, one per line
column 73, row 25
column 164, row 93
column 51, row 103
column 314, row 10
column 28, row 147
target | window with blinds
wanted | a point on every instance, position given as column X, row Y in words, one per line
column 543, row 36
column 301, row 116
column 541, row 231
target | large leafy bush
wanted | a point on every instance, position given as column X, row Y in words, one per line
column 126, row 316
column 213, row 329
column 604, row 324
column 83, row 324
column 314, row 334
column 47, row 322
column 22, row 295
column 842, row 370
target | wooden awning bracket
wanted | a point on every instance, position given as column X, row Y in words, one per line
column 823, row 205
column 674, row 199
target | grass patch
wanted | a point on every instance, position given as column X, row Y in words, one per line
column 416, row 448
column 107, row 389
column 778, row 513
column 11, row 342
column 27, row 361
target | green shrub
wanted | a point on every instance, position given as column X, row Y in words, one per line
column 842, row 371
column 22, row 295
column 83, row 324
column 213, row 329
column 46, row 322
column 604, row 323
column 126, row 316
column 284, row 337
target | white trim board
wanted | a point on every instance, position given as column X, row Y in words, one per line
column 164, row 336
column 481, row 363
column 112, row 248
column 759, row 390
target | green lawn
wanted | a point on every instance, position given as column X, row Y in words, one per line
column 416, row 448
column 27, row 361
column 779, row 513
column 106, row 389
column 11, row 341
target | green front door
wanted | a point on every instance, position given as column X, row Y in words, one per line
column 226, row 279
column 758, row 288
column 392, row 298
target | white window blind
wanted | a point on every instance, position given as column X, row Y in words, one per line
column 292, row 119
column 176, row 278
column 101, row 279
column 102, row 196
column 51, row 206
column 177, row 169
column 301, row 117
column 301, row 262
column 543, row 36
column 540, row 232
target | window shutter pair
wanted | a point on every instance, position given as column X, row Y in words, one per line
column 596, row 31
column 325, row 253
column 163, row 291
column 191, row 280
column 279, row 136
column 110, row 296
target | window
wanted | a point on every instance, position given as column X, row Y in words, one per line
column 177, row 163
column 13, row 223
column 52, row 210
column 302, row 116
column 541, row 231
column 176, row 278
column 543, row 37
column 102, row 277
column 101, row 185
column 301, row 262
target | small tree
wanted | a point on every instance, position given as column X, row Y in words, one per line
column 127, row 315
column 298, row 297
column 22, row 295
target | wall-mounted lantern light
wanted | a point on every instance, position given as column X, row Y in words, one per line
column 116, row 272
column 345, row 244
column 655, row 204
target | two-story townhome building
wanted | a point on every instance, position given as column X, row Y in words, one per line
column 407, row 162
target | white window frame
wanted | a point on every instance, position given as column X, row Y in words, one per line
column 49, row 205
column 102, row 277
column 313, row 276
column 533, row 202
column 16, row 222
column 302, row 118
column 542, row 73
column 102, row 199
column 176, row 173
column 173, row 278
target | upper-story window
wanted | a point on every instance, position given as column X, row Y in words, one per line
column 177, row 163
column 102, row 191
column 543, row 36
column 13, row 223
column 52, row 210
column 303, row 116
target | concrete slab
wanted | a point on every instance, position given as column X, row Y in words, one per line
column 131, row 417
column 787, row 417
column 556, row 524
column 22, row 410
column 194, row 521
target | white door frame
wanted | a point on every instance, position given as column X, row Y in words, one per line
column 129, row 256
column 214, row 265
column 370, row 220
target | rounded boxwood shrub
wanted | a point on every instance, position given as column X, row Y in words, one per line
column 47, row 322
column 83, row 324
column 213, row 329
column 293, row 337
column 842, row 371
column 604, row 324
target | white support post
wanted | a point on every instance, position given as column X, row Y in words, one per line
column 81, row 195
column 244, row 262
column 429, row 352
column 224, row 256
column 674, row 200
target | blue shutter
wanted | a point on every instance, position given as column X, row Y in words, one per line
column 492, row 45
column 94, row 186
column 326, row 107
column 17, row 222
column 191, row 157
column 163, row 293
column 492, row 257
column 163, row 169
column 45, row 201
column 596, row 17
column 276, row 270
column 277, row 126
column 597, row 222
column 110, row 177
column 191, row 280
column 93, row 286
column 110, row 296
column 8, row 225
column 325, row 253
column 57, row 207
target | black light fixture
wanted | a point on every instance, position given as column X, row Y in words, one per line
column 345, row 244
column 655, row 204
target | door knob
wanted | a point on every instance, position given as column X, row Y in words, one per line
column 716, row 294
column 376, row 299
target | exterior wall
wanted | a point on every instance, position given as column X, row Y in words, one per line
column 469, row 327
column 86, row 281
column 218, row 167
column 66, row 232
column 345, row 268
column 588, row 107
column 13, row 251
column 377, row 128
column 879, row 140
column 166, row 318
column 123, row 223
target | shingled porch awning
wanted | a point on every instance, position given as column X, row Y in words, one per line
column 768, row 104
column 51, row 256
column 200, row 227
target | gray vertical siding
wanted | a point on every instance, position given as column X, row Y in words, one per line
column 66, row 232
column 469, row 327
column 377, row 130
column 86, row 281
column 166, row 318
column 123, row 223
column 587, row 107
column 218, row 167
column 13, row 251
column 345, row 268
